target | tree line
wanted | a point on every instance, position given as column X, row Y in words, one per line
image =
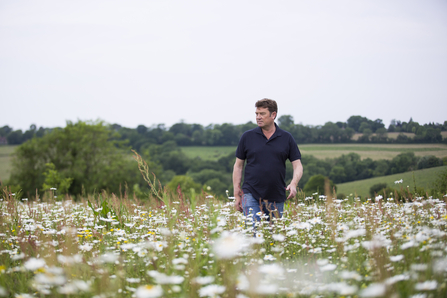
column 226, row 134
column 87, row 157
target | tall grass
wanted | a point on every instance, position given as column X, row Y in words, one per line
column 107, row 246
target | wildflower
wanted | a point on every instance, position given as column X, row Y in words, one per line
column 180, row 261
column 408, row 244
column 428, row 285
column 51, row 276
column 74, row 287
column 396, row 278
column 376, row 242
column 148, row 291
column 203, row 280
column 18, row 257
column 108, row 258
column 278, row 237
column 272, row 269
column 398, row 181
column 322, row 262
column 23, row 295
column 3, row 292
column 86, row 247
column 211, row 291
column 341, row 288
column 350, row 275
column 396, row 258
column 242, row 283
column 418, row 267
column 374, row 290
column 33, row 264
column 328, row 267
column 163, row 279
column 229, row 245
column 133, row 280
column 269, row 258
column 266, row 289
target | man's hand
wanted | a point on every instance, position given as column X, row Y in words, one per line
column 297, row 174
column 238, row 203
column 292, row 189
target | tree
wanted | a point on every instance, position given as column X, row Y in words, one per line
column 363, row 126
column 53, row 179
column 354, row 122
column 286, row 122
column 15, row 137
column 403, row 162
column 5, row 130
column 83, row 151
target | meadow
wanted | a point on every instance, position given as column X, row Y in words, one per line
column 5, row 161
column 175, row 245
column 322, row 151
column 421, row 179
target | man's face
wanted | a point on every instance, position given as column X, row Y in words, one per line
column 263, row 117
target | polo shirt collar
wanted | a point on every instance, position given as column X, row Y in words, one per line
column 278, row 132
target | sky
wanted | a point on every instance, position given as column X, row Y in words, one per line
column 208, row 62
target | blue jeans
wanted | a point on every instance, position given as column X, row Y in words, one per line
column 253, row 208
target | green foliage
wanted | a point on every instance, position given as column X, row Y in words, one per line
column 53, row 179
column 377, row 188
column 87, row 152
column 105, row 213
column 216, row 187
column 186, row 183
column 403, row 162
column 429, row 161
column 317, row 184
column 440, row 184
column 207, row 174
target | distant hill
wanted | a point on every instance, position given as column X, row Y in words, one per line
column 424, row 178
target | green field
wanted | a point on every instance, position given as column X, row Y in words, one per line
column 322, row 151
column 424, row 178
column 5, row 161
column 208, row 152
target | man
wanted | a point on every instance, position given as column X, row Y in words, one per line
column 266, row 149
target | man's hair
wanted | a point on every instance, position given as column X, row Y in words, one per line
column 269, row 104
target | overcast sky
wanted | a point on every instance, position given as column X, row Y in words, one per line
column 150, row 62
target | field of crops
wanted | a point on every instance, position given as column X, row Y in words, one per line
column 373, row 151
column 127, row 248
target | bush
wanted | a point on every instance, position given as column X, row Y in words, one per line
column 376, row 188
column 186, row 184
column 316, row 183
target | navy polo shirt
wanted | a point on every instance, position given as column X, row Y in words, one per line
column 265, row 170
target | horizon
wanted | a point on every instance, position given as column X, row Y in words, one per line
column 212, row 124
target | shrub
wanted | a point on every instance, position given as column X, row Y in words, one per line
column 316, row 183
column 376, row 188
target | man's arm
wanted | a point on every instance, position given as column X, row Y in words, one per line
column 297, row 174
column 237, row 179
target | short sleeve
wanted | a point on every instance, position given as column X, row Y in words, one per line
column 240, row 151
column 294, row 153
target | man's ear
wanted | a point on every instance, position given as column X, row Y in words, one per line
column 274, row 115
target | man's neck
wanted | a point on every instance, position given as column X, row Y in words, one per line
column 269, row 131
